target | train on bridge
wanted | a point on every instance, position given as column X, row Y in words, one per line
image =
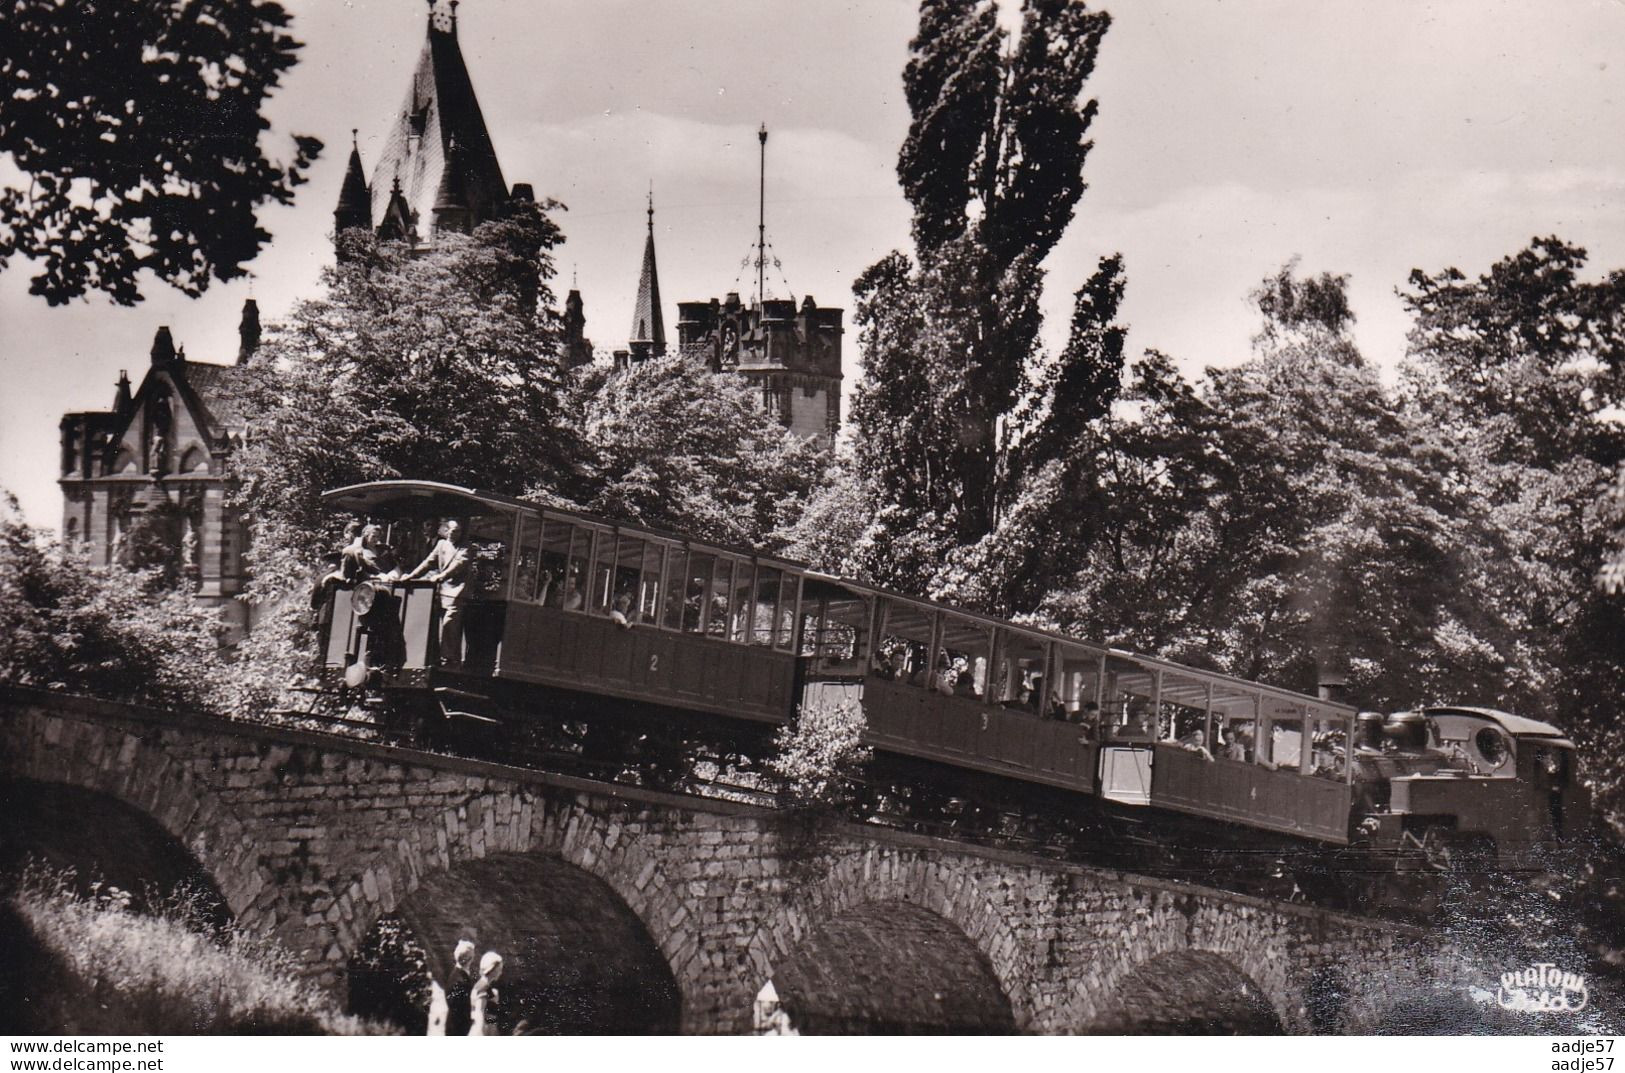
column 532, row 601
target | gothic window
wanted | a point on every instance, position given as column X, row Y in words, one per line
column 194, row 461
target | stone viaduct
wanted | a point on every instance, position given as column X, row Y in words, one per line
column 623, row 909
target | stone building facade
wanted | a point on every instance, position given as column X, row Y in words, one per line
column 144, row 483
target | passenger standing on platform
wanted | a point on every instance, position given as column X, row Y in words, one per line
column 450, row 565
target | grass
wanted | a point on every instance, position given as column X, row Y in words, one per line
column 84, row 962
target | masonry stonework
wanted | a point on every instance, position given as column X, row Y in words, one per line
column 311, row 838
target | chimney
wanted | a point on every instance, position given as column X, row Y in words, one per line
column 248, row 331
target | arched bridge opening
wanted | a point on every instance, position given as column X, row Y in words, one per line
column 1189, row 993
column 576, row 959
column 95, row 838
column 892, row 968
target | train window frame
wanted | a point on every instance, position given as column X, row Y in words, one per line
column 763, row 634
column 626, row 575
column 675, row 587
column 953, row 634
column 649, row 605
column 790, row 582
column 525, row 588
column 1185, row 705
column 1128, row 707
column 742, row 602
column 717, row 623
column 550, row 584
column 603, row 573
column 579, row 566
column 919, row 623
column 1080, row 670
column 480, row 532
column 701, row 568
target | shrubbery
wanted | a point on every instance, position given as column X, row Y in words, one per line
column 109, row 632
column 87, row 963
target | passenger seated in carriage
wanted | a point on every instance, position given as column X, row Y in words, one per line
column 1196, row 742
column 621, row 613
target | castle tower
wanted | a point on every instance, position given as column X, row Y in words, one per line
column 577, row 347
column 438, row 171
column 648, row 339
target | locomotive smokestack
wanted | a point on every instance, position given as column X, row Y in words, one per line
column 1332, row 685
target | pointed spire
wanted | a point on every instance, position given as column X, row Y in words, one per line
column 123, row 397
column 163, row 347
column 648, row 325
column 355, row 200
column 248, row 331
column 397, row 226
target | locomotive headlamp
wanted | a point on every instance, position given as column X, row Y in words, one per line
column 364, row 597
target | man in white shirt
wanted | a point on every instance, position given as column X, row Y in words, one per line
column 448, row 564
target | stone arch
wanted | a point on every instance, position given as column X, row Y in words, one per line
column 1187, row 992
column 891, row 968
column 131, row 768
column 576, row 959
column 885, row 875
column 601, row 840
column 101, row 840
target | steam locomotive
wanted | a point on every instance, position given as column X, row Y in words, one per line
column 565, row 604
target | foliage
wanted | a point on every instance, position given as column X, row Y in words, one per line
column 1287, row 517
column 1526, row 358
column 96, row 967
column 838, row 523
column 953, row 376
column 109, row 632
column 436, row 366
column 669, row 444
column 1521, row 369
column 820, row 755
column 389, row 977
column 137, row 127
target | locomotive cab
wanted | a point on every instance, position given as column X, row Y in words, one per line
column 1508, row 787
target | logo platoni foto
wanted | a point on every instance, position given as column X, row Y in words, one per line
column 1542, row 988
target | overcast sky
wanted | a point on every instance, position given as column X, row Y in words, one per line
column 1368, row 137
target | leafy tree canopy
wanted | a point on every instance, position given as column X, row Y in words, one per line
column 672, row 445
column 136, row 125
column 437, row 366
column 953, row 374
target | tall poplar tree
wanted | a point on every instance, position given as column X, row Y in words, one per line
column 993, row 167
